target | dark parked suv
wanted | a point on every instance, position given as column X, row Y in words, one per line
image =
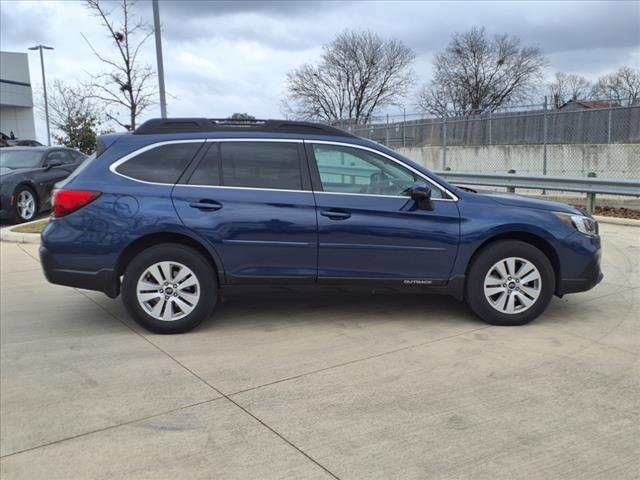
column 183, row 208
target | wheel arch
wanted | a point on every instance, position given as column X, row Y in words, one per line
column 537, row 241
column 153, row 239
column 29, row 184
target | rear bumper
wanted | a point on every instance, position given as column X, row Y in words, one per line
column 105, row 280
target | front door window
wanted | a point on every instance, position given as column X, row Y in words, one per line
column 356, row 171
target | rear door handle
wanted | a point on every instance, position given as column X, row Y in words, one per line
column 206, row 204
column 335, row 214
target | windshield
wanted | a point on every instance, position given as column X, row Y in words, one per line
column 20, row 159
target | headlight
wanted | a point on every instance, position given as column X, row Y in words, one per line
column 583, row 224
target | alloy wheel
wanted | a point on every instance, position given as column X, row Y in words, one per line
column 512, row 285
column 26, row 205
column 168, row 291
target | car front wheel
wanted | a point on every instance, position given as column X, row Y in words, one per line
column 26, row 204
column 169, row 288
column 509, row 283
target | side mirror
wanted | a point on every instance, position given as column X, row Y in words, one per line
column 421, row 194
column 54, row 162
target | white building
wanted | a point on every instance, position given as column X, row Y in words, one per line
column 16, row 98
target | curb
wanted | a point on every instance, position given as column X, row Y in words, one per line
column 6, row 235
column 628, row 222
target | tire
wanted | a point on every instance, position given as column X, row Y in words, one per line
column 26, row 205
column 151, row 298
column 509, row 283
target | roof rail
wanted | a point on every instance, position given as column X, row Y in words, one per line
column 193, row 125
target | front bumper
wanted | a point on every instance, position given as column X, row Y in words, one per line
column 590, row 277
column 6, row 209
column 105, row 280
column 580, row 264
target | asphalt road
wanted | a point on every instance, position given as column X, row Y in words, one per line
column 320, row 386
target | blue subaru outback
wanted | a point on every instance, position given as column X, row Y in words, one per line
column 180, row 210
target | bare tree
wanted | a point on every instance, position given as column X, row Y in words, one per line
column 67, row 101
column 567, row 86
column 358, row 73
column 623, row 86
column 476, row 74
column 74, row 115
column 241, row 116
column 126, row 84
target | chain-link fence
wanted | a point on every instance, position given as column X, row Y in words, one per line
column 579, row 139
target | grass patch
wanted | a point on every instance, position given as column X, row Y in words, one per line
column 35, row 227
column 619, row 212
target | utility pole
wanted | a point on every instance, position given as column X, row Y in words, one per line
column 158, row 35
column 44, row 87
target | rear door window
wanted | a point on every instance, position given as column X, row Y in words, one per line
column 163, row 164
column 208, row 170
column 272, row 165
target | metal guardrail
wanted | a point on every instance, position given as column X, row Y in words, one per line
column 542, row 182
column 588, row 185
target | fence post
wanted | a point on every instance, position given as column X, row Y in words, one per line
column 544, row 138
column 387, row 132
column 444, row 143
column 609, row 124
column 591, row 197
column 404, row 126
column 544, row 141
column 511, row 189
column 490, row 139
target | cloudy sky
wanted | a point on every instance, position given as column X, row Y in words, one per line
column 224, row 57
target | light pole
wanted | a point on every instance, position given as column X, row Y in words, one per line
column 44, row 87
column 158, row 35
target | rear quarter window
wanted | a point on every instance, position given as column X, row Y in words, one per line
column 162, row 164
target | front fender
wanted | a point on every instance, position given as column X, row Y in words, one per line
column 479, row 225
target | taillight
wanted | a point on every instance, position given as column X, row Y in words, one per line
column 65, row 202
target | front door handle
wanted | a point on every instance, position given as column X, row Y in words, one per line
column 206, row 204
column 335, row 214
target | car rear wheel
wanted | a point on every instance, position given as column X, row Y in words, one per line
column 169, row 288
column 26, row 204
column 509, row 283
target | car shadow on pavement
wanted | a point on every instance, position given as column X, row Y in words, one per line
column 263, row 310
column 279, row 308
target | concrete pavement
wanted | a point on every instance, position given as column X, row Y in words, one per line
column 320, row 386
